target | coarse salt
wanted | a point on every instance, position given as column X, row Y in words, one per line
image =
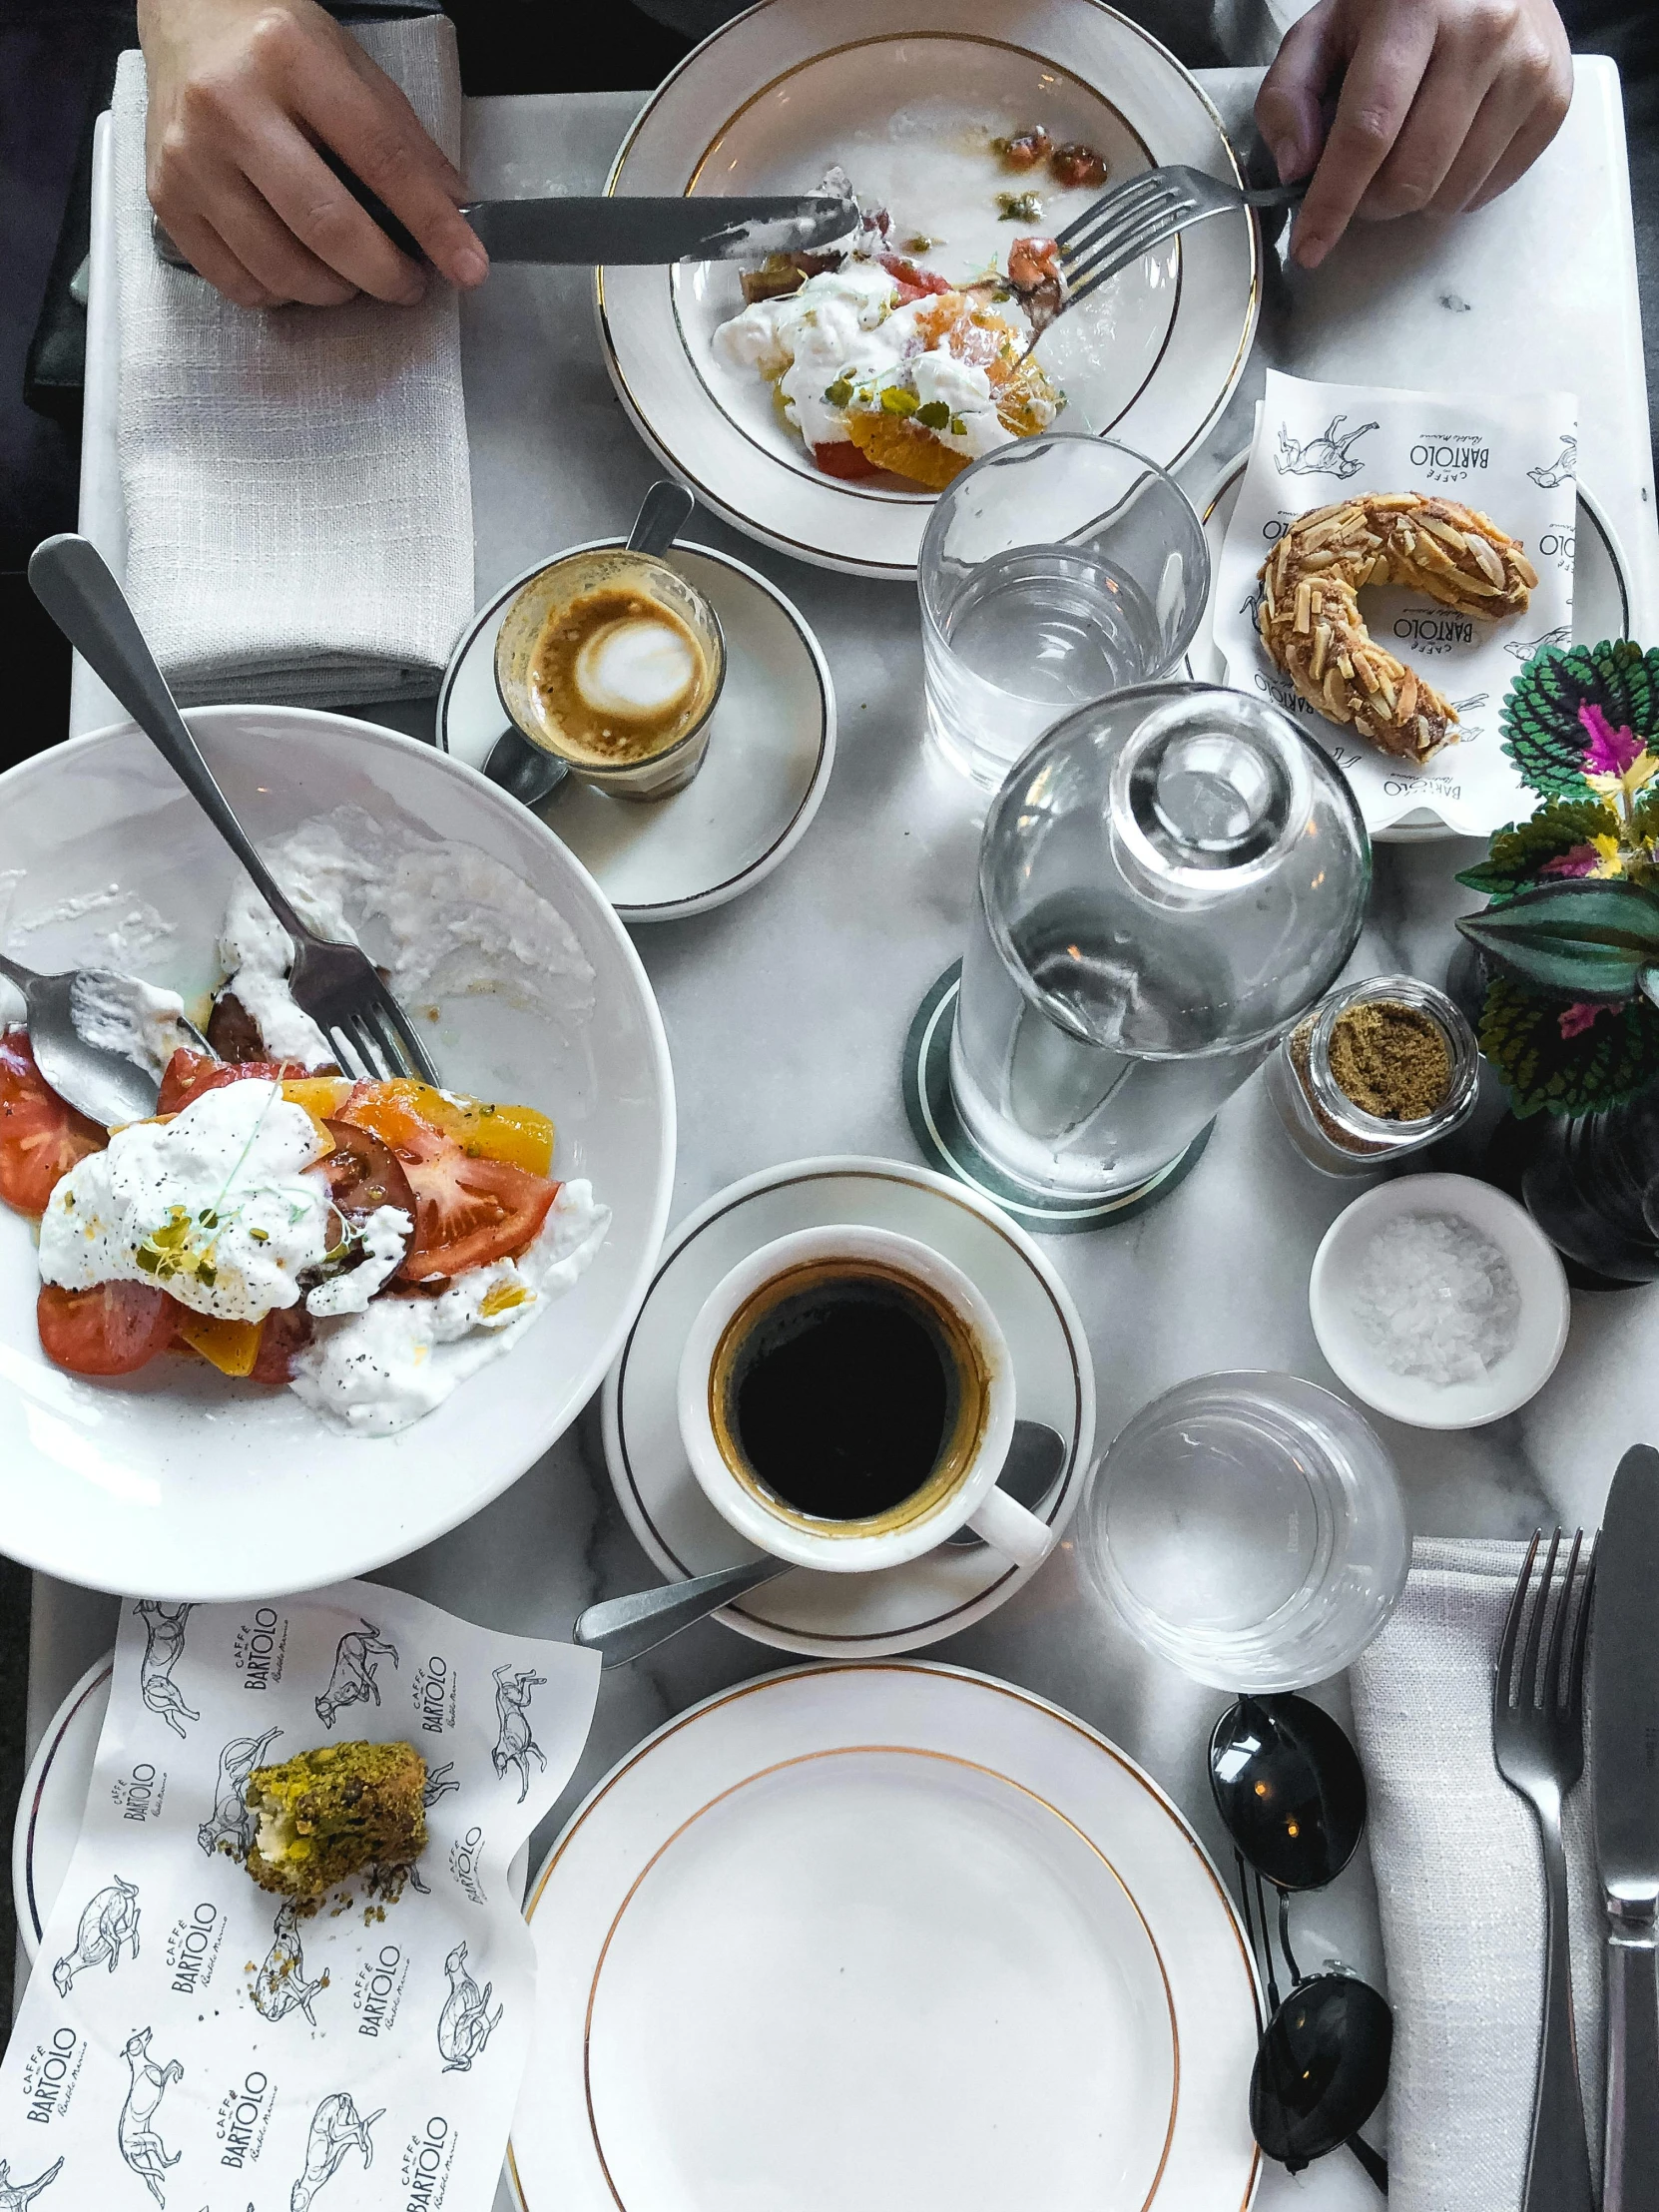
column 1433, row 1298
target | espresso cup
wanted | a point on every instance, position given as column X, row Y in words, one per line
column 913, row 1450
column 613, row 662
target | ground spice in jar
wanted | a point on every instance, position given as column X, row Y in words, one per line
column 1389, row 1059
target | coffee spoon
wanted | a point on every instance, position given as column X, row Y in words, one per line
column 523, row 770
column 624, row 1628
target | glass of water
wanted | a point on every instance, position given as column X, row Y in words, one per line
column 1250, row 1528
column 1054, row 571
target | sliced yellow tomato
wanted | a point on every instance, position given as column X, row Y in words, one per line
column 320, row 1096
column 516, row 1134
column 230, row 1345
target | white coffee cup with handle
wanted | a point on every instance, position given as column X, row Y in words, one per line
column 785, row 1290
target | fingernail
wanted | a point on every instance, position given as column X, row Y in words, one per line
column 472, row 266
column 412, row 293
column 1285, row 153
column 1309, row 250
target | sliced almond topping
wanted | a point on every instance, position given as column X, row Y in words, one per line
column 1304, row 607
column 1321, row 645
column 1486, row 556
column 1523, row 568
column 1407, row 694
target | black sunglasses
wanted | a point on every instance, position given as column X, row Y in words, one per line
column 1289, row 1786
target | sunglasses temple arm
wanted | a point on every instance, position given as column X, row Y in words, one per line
column 1373, row 2162
column 1284, row 1935
column 1266, row 1941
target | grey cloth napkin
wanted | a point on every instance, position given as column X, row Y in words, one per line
column 1461, row 1886
column 299, row 506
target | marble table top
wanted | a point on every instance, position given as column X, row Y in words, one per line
column 800, row 994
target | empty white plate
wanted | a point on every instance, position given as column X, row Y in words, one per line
column 894, row 1936
column 771, row 746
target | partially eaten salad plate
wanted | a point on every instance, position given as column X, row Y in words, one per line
column 275, row 1334
column 820, row 402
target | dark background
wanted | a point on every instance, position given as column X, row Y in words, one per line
column 56, row 59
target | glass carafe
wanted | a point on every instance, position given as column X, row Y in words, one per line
column 1166, row 882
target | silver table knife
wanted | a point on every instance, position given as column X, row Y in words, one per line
column 620, row 231
column 1624, row 1710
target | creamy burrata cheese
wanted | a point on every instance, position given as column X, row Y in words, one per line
column 380, row 1371
column 214, row 1207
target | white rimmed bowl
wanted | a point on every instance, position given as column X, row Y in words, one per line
column 1545, row 1306
column 178, row 1482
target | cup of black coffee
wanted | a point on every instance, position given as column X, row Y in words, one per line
column 847, row 1400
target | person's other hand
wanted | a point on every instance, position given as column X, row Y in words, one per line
column 1443, row 104
column 241, row 93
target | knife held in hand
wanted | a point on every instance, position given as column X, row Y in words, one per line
column 621, row 230
column 1624, row 1721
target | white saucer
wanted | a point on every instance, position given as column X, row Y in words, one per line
column 839, row 1616
column 771, row 746
column 1600, row 609
column 894, row 1936
column 54, row 1803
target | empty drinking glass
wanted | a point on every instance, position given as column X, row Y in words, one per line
column 1054, row 570
column 1250, row 1528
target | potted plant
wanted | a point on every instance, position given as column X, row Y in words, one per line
column 1570, row 940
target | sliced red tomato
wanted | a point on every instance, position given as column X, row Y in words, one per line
column 840, row 457
column 467, row 1212
column 189, row 1074
column 285, row 1332
column 913, row 281
column 40, row 1137
column 362, row 1173
column 113, row 1329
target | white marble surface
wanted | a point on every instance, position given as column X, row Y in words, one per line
column 786, row 1010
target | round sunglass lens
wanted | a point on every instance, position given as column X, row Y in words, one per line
column 1289, row 1784
column 1322, row 2068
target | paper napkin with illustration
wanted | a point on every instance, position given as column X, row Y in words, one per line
column 1332, row 446
column 189, row 2038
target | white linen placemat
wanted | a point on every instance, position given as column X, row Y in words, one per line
column 1512, row 457
column 299, row 507
column 1460, row 1884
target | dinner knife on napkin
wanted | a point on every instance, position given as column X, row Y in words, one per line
column 1624, row 1717
column 621, row 230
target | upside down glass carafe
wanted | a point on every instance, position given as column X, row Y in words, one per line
column 1167, row 881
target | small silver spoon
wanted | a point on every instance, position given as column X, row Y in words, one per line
column 523, row 770
column 97, row 1081
column 624, row 1628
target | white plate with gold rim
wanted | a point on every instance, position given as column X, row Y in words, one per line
column 779, row 94
column 892, row 1609
column 1600, row 609
column 891, row 1935
column 771, row 746
column 54, row 1802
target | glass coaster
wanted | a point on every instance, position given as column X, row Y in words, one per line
column 948, row 1146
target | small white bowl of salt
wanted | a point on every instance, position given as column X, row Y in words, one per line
column 1439, row 1301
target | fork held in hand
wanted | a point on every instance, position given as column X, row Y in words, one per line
column 1538, row 1746
column 368, row 1031
column 1143, row 211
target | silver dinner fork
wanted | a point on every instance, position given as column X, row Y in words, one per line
column 368, row 1031
column 1142, row 213
column 1538, row 1746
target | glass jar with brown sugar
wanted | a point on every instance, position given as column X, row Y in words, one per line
column 1379, row 1069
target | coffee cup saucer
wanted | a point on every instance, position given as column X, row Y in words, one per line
column 771, row 746
column 891, row 1609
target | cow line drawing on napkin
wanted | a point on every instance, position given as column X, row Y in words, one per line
column 244, row 2054
column 1514, row 458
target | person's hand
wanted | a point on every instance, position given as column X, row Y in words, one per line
column 241, row 93
column 1443, row 104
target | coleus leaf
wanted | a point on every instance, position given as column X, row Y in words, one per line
column 1585, row 940
column 1542, row 733
column 1545, row 1071
column 1518, row 855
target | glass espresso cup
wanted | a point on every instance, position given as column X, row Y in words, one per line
column 846, row 1402
column 612, row 662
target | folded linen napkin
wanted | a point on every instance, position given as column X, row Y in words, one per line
column 299, row 507
column 1460, row 1887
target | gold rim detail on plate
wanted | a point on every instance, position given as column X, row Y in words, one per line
column 849, row 1750
column 1009, row 1690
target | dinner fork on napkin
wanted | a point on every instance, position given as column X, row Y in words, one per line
column 1460, row 1891
column 299, row 503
